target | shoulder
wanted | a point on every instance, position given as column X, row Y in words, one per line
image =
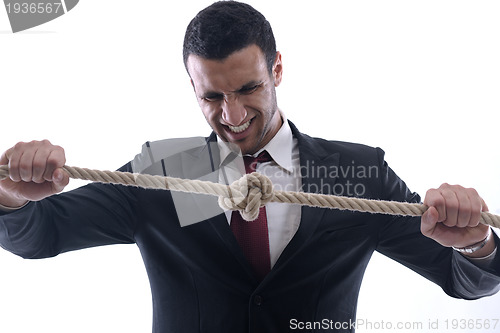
column 344, row 146
column 346, row 150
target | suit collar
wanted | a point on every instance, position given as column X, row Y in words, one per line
column 308, row 147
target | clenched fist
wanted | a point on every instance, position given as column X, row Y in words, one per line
column 35, row 172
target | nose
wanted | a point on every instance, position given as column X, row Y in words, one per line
column 233, row 111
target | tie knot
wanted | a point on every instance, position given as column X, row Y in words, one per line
column 251, row 162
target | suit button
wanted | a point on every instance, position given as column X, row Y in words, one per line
column 257, row 300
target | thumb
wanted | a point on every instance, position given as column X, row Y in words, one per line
column 428, row 221
column 60, row 179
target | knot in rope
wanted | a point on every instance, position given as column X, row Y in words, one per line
column 247, row 195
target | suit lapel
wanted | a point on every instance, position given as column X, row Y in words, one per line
column 313, row 160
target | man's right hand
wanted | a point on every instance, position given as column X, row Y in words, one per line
column 35, row 172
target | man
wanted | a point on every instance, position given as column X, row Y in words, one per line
column 202, row 277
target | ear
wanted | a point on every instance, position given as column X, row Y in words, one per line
column 277, row 69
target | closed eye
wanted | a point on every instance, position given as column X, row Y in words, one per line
column 245, row 90
column 249, row 89
column 212, row 97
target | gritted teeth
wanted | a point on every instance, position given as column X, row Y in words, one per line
column 241, row 128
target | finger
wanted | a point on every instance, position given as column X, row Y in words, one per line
column 39, row 164
column 451, row 207
column 56, row 159
column 464, row 210
column 27, row 155
column 476, row 207
column 14, row 156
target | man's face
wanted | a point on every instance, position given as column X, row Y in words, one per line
column 237, row 96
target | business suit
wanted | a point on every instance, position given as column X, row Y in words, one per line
column 199, row 278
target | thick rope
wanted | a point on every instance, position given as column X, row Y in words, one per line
column 251, row 192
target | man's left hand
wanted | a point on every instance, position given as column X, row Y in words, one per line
column 453, row 218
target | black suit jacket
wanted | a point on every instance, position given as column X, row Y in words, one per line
column 199, row 277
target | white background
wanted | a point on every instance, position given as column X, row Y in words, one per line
column 418, row 78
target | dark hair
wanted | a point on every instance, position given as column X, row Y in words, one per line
column 226, row 27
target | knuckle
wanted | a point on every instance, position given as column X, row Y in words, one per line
column 472, row 192
column 430, row 191
column 444, row 186
column 44, row 143
column 20, row 145
column 34, row 143
column 23, row 146
column 59, row 149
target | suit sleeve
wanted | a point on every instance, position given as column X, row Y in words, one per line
column 400, row 239
column 93, row 215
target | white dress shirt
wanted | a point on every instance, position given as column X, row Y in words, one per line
column 282, row 219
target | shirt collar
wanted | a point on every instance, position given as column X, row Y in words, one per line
column 280, row 147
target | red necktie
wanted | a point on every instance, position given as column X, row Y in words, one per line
column 253, row 236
